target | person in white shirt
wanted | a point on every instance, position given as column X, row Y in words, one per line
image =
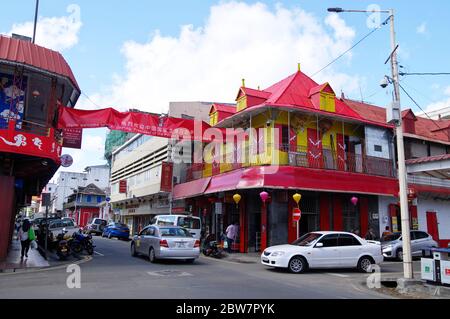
column 231, row 233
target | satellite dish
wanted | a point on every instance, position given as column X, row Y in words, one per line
column 66, row 160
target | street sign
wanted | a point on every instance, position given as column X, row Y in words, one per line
column 166, row 176
column 72, row 137
column 296, row 214
column 66, row 160
column 107, row 199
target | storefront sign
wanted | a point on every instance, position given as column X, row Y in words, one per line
column 166, row 176
column 445, row 271
column 72, row 137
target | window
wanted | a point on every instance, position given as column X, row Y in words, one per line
column 348, row 240
column 189, row 222
column 174, row 232
column 143, row 232
column 421, row 235
column 306, row 239
column 378, row 148
column 329, row 240
column 88, row 198
column 99, row 199
column 284, row 137
column 151, row 231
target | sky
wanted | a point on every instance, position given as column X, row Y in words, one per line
column 144, row 54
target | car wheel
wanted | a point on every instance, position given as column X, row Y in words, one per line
column 365, row 264
column 151, row 255
column 133, row 250
column 297, row 265
column 399, row 254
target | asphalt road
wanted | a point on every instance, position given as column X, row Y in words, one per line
column 113, row 273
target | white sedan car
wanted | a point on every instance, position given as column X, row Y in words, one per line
column 324, row 249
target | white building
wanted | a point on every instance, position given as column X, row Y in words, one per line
column 67, row 182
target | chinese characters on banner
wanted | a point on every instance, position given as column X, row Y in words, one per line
column 166, row 176
column 123, row 186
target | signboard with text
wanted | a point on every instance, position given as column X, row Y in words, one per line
column 166, row 176
column 72, row 137
column 123, row 186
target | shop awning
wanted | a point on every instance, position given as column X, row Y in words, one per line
column 224, row 182
column 191, row 189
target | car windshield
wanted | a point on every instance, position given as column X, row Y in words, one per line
column 174, row 232
column 307, row 239
column 98, row 221
column 120, row 225
column 392, row 237
column 189, row 222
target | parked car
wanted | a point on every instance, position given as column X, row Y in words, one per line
column 420, row 241
column 166, row 242
column 96, row 226
column 191, row 223
column 324, row 249
column 73, row 220
column 56, row 226
column 115, row 229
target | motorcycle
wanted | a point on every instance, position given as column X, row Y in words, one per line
column 211, row 247
column 82, row 242
column 62, row 245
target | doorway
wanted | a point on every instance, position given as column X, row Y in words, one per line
column 432, row 225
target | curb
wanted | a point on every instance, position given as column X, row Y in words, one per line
column 55, row 267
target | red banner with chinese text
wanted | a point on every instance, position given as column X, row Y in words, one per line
column 166, row 177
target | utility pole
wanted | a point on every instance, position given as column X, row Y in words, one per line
column 35, row 20
column 402, row 177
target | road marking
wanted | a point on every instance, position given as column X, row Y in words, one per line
column 338, row 275
column 96, row 252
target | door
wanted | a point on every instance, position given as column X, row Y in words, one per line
column 432, row 225
column 142, row 242
column 326, row 256
column 350, row 249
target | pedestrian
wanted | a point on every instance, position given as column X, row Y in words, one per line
column 26, row 232
column 370, row 235
column 231, row 235
column 386, row 232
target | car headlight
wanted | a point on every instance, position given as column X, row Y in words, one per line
column 277, row 253
column 387, row 247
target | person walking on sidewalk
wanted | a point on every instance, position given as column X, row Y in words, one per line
column 231, row 233
column 25, row 235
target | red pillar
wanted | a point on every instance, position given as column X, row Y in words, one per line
column 243, row 227
column 292, row 226
column 413, row 214
column 6, row 213
column 263, row 227
column 337, row 213
column 364, row 216
column 324, row 211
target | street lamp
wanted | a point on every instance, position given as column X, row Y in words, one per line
column 397, row 120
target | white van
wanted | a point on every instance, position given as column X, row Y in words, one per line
column 192, row 223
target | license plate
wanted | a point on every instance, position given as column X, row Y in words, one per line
column 180, row 245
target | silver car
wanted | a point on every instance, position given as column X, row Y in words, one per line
column 165, row 242
column 421, row 242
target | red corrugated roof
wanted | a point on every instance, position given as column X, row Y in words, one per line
column 227, row 108
column 24, row 52
column 257, row 93
column 424, row 127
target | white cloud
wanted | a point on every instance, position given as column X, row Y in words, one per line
column 238, row 40
column 422, row 28
column 57, row 33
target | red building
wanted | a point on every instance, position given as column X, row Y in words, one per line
column 308, row 142
column 33, row 82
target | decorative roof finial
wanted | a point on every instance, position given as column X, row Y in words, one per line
column 298, row 64
column 243, row 83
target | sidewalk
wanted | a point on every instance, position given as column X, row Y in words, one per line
column 14, row 261
column 247, row 258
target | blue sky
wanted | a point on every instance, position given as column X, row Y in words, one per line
column 120, row 50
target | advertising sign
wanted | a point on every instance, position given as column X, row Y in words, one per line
column 66, row 160
column 166, row 177
column 12, row 99
column 123, row 186
column 445, row 271
column 72, row 137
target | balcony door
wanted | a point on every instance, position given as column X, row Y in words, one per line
column 315, row 154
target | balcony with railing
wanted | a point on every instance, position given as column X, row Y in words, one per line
column 288, row 155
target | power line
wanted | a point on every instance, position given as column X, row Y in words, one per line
column 353, row 46
column 89, row 99
column 424, row 73
column 417, row 104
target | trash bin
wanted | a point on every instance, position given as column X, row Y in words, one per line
column 437, row 270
